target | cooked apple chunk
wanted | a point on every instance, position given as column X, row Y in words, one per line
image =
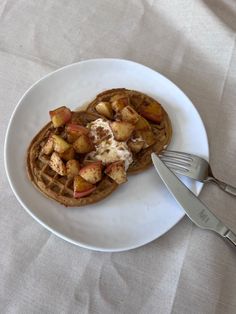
column 136, row 145
column 148, row 137
column 92, row 172
column 76, row 129
column 57, row 164
column 72, row 168
column 82, row 187
column 122, row 130
column 119, row 103
column 68, row 154
column 117, row 172
column 142, row 124
column 151, row 111
column 104, row 108
column 83, row 144
column 59, row 144
column 47, row 149
column 129, row 114
column 73, row 131
column 60, row 116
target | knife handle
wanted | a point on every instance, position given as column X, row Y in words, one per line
column 231, row 237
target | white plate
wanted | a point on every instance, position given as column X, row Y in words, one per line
column 140, row 210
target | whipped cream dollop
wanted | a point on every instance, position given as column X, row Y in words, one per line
column 108, row 149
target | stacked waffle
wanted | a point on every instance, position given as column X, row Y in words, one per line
column 81, row 157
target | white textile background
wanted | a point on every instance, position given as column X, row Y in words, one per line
column 188, row 270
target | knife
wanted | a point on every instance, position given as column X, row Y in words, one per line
column 194, row 208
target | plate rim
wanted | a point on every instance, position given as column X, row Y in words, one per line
column 45, row 225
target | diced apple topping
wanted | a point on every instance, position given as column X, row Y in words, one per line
column 72, row 168
column 104, row 108
column 82, row 187
column 71, row 138
column 129, row 114
column 136, row 145
column 60, row 116
column 148, row 137
column 122, row 130
column 74, row 131
column 83, row 144
column 151, row 111
column 118, row 104
column 142, row 124
column 48, row 147
column 57, row 164
column 117, row 172
column 92, row 172
column 59, row 144
column 68, row 154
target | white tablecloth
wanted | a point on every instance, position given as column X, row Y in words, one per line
column 186, row 271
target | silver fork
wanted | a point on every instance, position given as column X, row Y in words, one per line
column 193, row 166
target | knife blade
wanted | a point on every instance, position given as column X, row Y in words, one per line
column 194, row 208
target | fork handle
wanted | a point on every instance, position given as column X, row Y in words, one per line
column 231, row 237
column 225, row 187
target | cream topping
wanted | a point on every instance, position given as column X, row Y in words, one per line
column 108, row 149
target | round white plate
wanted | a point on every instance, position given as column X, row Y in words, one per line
column 140, row 210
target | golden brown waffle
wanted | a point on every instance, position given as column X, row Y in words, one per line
column 162, row 130
column 60, row 188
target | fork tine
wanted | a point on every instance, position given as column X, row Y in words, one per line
column 179, row 171
column 172, row 153
column 176, row 161
column 176, row 166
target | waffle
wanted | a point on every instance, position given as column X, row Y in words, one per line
column 51, row 184
column 162, row 130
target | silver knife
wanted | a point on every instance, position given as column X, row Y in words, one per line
column 194, row 208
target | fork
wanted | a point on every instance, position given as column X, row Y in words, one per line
column 193, row 166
